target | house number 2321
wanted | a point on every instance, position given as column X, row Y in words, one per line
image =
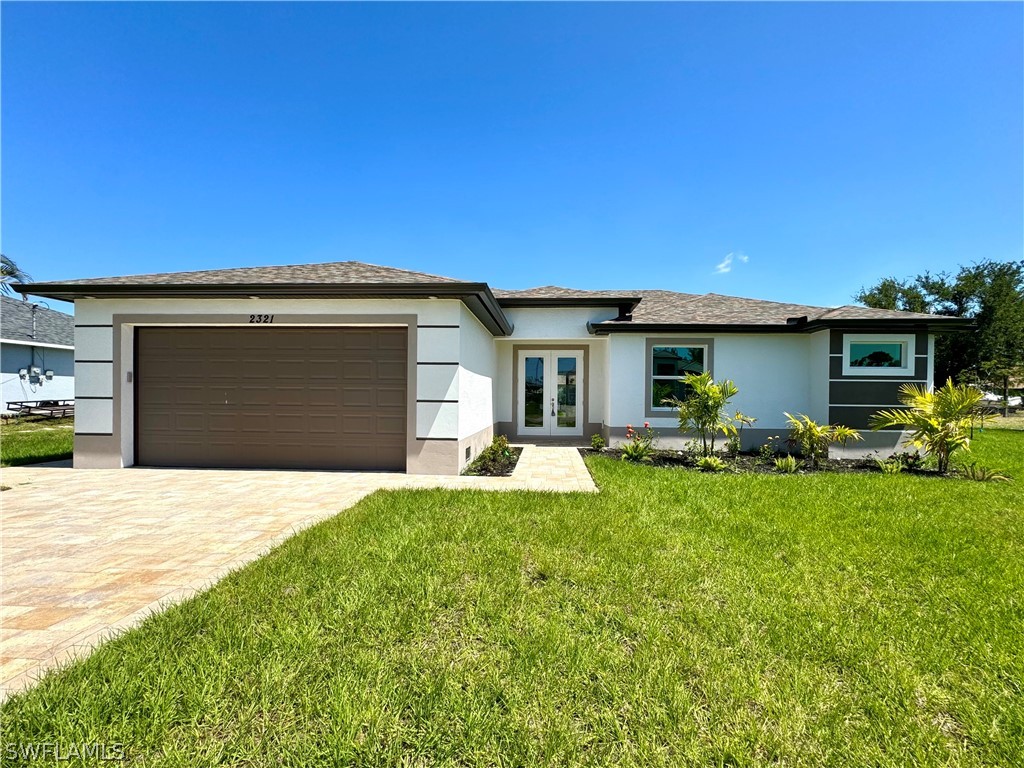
column 261, row 318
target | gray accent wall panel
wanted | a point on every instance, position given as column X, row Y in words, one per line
column 852, row 392
column 855, row 416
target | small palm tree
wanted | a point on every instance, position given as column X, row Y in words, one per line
column 10, row 272
column 814, row 438
column 703, row 411
column 939, row 421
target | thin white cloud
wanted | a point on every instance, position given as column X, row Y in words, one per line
column 725, row 265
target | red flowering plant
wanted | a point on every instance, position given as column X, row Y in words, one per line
column 641, row 444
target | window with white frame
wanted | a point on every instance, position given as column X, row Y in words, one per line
column 878, row 355
column 669, row 364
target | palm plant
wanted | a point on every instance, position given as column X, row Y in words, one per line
column 814, row 438
column 10, row 272
column 703, row 411
column 939, row 421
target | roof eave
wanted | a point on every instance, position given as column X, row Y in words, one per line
column 939, row 323
column 934, row 325
column 569, row 301
column 476, row 296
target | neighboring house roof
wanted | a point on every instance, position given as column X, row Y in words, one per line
column 50, row 326
column 638, row 310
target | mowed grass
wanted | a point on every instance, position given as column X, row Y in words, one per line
column 675, row 619
column 33, row 439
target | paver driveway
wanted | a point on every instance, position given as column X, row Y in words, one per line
column 90, row 552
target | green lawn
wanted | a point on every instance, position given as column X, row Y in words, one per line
column 34, row 439
column 676, row 619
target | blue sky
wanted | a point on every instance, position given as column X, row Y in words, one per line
column 598, row 146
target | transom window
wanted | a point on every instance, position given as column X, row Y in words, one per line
column 882, row 355
column 669, row 364
column 867, row 354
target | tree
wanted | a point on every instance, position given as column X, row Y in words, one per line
column 814, row 438
column 11, row 273
column 940, row 422
column 991, row 293
column 703, row 410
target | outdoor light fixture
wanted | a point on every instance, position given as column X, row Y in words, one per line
column 35, row 375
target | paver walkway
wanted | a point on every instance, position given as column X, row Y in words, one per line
column 88, row 553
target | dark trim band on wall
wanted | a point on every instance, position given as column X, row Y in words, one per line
column 424, row 363
column 869, row 380
column 95, row 397
column 436, row 326
column 94, row 361
column 440, row 439
column 94, row 325
column 95, row 434
column 438, row 401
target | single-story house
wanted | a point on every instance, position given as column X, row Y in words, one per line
column 354, row 366
column 37, row 353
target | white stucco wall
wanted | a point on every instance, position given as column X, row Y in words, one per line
column 555, row 322
column 770, row 370
column 477, row 371
column 818, row 376
column 14, row 357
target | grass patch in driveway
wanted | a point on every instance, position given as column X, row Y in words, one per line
column 676, row 618
column 34, row 439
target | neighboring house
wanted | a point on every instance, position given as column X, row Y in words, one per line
column 37, row 352
column 354, row 366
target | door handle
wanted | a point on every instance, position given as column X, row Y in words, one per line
column 552, row 406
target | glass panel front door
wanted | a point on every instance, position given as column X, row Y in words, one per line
column 533, row 396
column 566, row 417
column 549, row 393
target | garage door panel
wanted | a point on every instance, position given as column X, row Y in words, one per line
column 394, row 339
column 323, row 398
column 392, row 370
column 356, row 397
column 390, row 425
column 389, row 396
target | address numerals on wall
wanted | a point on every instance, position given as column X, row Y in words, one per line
column 261, row 318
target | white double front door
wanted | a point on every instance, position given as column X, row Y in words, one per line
column 549, row 392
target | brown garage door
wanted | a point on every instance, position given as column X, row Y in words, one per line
column 312, row 398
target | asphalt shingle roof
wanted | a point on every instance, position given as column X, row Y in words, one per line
column 660, row 307
column 330, row 273
column 655, row 307
column 51, row 326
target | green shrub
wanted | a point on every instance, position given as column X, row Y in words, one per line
column 641, row 444
column 499, row 458
column 711, row 464
column 889, row 466
column 596, row 442
column 787, row 464
column 813, row 439
column 766, row 452
column 975, row 471
column 909, row 459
